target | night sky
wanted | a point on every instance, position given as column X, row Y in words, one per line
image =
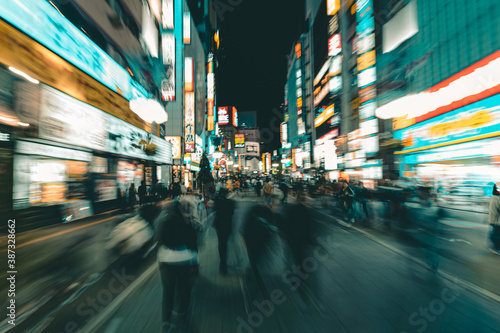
column 256, row 37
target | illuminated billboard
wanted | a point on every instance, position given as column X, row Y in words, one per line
column 223, row 115
column 239, row 141
column 176, row 146
column 167, row 17
column 168, row 83
column 186, row 36
column 334, row 45
column 234, row 117
column 42, row 22
column 188, row 74
column 189, row 123
column 332, row 7
column 284, row 132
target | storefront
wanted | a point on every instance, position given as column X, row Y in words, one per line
column 83, row 160
column 460, row 146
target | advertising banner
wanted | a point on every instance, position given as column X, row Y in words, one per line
column 334, row 45
column 66, row 119
column 125, row 139
column 252, row 148
column 239, row 141
column 223, row 115
column 55, row 32
column 189, row 130
column 186, row 35
column 176, row 146
column 476, row 120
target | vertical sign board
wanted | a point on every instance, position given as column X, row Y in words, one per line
column 367, row 73
column 187, row 28
column 167, row 16
column 168, row 83
column 189, row 123
column 188, row 74
column 176, row 146
column 334, row 45
column 210, row 93
column 234, row 117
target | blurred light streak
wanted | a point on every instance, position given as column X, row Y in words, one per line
column 26, row 76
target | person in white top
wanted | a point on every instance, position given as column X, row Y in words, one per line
column 178, row 261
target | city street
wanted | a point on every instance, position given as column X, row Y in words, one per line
column 358, row 281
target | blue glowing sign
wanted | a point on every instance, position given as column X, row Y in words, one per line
column 364, row 8
column 41, row 21
column 474, row 120
column 365, row 26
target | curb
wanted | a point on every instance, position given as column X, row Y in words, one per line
column 465, row 284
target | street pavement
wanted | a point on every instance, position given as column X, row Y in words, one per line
column 353, row 281
column 58, row 263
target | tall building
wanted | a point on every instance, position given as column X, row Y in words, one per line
column 440, row 89
column 84, row 87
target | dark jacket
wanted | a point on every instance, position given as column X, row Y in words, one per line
column 174, row 232
column 224, row 210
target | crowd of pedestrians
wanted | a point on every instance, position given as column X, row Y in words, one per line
column 178, row 234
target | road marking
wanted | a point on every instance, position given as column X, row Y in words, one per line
column 105, row 314
column 466, row 284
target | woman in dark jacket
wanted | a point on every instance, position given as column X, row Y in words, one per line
column 177, row 261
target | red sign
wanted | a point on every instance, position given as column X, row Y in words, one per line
column 189, row 148
column 334, row 45
column 223, row 115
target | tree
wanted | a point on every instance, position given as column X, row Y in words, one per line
column 204, row 177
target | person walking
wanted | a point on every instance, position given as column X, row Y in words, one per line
column 494, row 220
column 284, row 189
column 132, row 196
column 223, row 222
column 178, row 263
column 142, row 193
column 258, row 188
column 268, row 193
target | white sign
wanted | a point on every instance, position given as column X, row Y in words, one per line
column 367, row 77
column 33, row 148
column 366, row 43
column 187, row 28
column 168, row 84
column 322, row 71
column 334, row 45
column 330, row 155
column 371, row 144
column 167, row 17
column 252, row 148
column 149, row 32
column 66, row 119
column 210, row 84
column 125, row 139
column 189, row 135
column 322, row 94
column 369, row 127
column 335, row 84
column 168, row 48
column 336, row 65
column 367, row 110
